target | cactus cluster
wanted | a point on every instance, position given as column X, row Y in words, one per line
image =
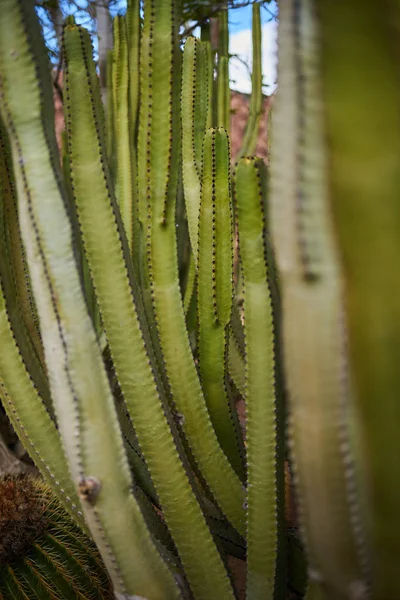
column 146, row 285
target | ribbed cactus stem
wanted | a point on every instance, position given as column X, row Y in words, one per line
column 363, row 129
column 110, row 117
column 210, row 75
column 130, row 351
column 133, row 38
column 263, row 469
column 158, row 174
column 15, row 276
column 314, row 342
column 80, row 390
column 125, row 184
column 223, row 92
column 194, row 107
column 25, row 394
column 215, row 289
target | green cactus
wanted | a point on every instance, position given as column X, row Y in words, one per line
column 263, row 470
column 141, row 294
column 334, row 191
column 313, row 312
column 364, row 153
column 215, row 289
column 223, row 95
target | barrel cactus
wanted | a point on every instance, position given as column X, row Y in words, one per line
column 43, row 552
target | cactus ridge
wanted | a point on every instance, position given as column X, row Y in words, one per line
column 125, row 184
column 309, row 255
column 236, row 364
column 115, row 455
column 223, row 94
column 13, row 411
column 194, row 95
column 215, row 290
column 162, row 457
column 15, row 247
column 313, row 302
column 263, row 522
column 133, row 28
column 178, row 360
column 11, row 282
column 213, row 229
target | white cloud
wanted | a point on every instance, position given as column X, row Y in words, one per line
column 240, row 44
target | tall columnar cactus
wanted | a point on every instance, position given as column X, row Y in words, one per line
column 263, row 471
column 335, row 184
column 215, row 288
column 222, row 116
column 108, row 257
column 313, row 316
column 80, row 390
column 123, row 346
column 364, row 155
column 158, row 155
column 177, row 460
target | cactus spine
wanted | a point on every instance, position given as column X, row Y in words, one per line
column 126, row 333
column 90, row 435
column 43, row 553
column 261, row 434
column 104, row 241
column 215, row 288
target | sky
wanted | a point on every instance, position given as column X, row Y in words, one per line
column 240, row 45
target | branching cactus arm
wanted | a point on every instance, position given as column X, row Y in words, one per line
column 134, row 33
column 102, row 234
column 215, row 289
column 223, row 92
column 158, row 169
column 264, row 473
column 15, row 275
column 79, row 386
column 194, row 107
column 31, row 421
column 110, row 116
column 125, row 183
column 313, row 316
